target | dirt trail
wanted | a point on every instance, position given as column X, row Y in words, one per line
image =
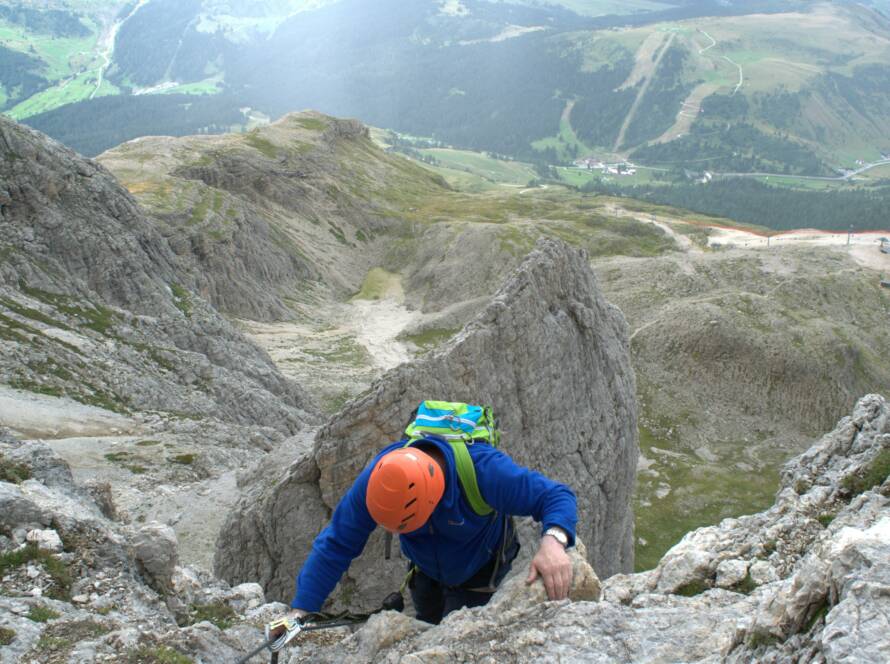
column 863, row 247
column 34, row 415
column 683, row 242
column 713, row 43
column 648, row 80
column 741, row 75
column 107, row 44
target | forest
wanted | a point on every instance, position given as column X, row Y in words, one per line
column 160, row 35
column 125, row 118
column 51, row 22
column 779, row 208
column 665, row 94
column 18, row 77
column 724, row 139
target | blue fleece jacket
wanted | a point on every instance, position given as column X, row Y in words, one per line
column 455, row 542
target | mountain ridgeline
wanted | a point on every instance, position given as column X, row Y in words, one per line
column 788, row 87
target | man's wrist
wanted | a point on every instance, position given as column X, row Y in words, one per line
column 558, row 534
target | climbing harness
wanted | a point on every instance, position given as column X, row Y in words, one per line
column 276, row 639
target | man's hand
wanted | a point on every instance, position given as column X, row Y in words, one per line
column 294, row 615
column 552, row 564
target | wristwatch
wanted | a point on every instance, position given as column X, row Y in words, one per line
column 559, row 535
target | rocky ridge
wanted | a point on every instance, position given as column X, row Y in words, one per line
column 80, row 586
column 87, row 282
column 805, row 581
column 266, row 216
column 548, row 353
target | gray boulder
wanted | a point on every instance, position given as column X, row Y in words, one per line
column 39, row 460
column 156, row 553
column 548, row 353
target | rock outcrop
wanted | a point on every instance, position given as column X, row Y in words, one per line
column 806, row 581
column 268, row 215
column 77, row 587
column 549, row 353
column 95, row 306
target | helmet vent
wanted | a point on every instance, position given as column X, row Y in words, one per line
column 409, row 517
column 411, row 486
column 410, row 503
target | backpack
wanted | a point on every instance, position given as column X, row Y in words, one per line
column 459, row 424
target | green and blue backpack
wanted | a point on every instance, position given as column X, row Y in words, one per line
column 460, row 424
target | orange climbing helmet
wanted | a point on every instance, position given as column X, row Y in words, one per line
column 404, row 489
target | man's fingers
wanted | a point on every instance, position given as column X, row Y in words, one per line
column 558, row 585
column 532, row 574
column 551, row 584
column 566, row 582
column 557, row 581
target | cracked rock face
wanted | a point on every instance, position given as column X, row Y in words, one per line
column 548, row 353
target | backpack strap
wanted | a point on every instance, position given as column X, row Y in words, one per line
column 466, row 472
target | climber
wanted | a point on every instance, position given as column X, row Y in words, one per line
column 450, row 498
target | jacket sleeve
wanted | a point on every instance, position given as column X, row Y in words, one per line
column 519, row 491
column 336, row 546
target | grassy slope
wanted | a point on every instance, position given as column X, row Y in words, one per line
column 781, row 52
column 70, row 65
column 742, row 359
column 481, row 165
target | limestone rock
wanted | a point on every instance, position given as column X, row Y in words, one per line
column 548, row 353
column 45, row 540
column 86, row 274
column 514, row 591
column 101, row 494
column 18, row 510
column 731, row 573
column 40, row 460
column 156, row 553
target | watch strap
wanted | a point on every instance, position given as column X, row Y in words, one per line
column 559, row 535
